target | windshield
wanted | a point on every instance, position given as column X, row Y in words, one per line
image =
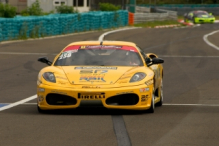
column 99, row 56
column 201, row 13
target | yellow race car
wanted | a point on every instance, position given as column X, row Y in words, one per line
column 117, row 74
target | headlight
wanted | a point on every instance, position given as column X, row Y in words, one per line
column 49, row 76
column 138, row 77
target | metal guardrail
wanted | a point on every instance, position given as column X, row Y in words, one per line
column 142, row 9
column 145, row 17
column 172, row 14
column 161, row 15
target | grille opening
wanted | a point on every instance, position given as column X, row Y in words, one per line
column 58, row 99
column 124, row 99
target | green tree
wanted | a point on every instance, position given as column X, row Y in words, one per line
column 108, row 7
column 34, row 9
column 63, row 9
column 7, row 11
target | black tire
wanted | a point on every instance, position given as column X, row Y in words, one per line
column 151, row 109
column 160, row 103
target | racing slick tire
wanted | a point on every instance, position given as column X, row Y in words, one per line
column 160, row 103
column 151, row 109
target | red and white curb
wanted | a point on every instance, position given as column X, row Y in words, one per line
column 167, row 26
column 185, row 23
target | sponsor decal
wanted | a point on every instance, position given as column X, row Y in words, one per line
column 76, row 47
column 144, row 98
column 91, row 96
column 92, row 78
column 144, row 89
column 149, row 82
column 58, row 92
column 124, row 92
column 100, row 47
column 82, row 47
column 97, row 67
column 93, row 71
column 90, row 86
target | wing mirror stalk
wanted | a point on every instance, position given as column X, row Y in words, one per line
column 45, row 60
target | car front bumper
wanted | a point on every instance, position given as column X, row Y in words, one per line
column 204, row 20
column 141, row 97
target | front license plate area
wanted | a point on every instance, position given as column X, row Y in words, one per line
column 91, row 96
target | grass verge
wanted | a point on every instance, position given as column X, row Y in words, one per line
column 152, row 24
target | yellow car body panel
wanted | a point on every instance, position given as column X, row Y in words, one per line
column 72, row 81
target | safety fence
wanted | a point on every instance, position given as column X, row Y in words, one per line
column 56, row 24
column 181, row 5
column 143, row 14
column 142, row 9
column 181, row 9
column 145, row 17
column 171, row 14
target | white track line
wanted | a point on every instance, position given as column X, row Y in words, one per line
column 113, row 31
column 207, row 41
column 18, row 103
column 189, row 56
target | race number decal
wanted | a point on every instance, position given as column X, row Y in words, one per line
column 67, row 54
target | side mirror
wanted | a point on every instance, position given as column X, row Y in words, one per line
column 157, row 61
column 154, row 61
column 45, row 60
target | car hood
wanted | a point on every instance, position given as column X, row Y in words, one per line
column 96, row 74
column 205, row 16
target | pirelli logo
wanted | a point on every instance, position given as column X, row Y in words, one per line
column 91, row 96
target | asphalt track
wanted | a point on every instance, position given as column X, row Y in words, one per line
column 191, row 95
